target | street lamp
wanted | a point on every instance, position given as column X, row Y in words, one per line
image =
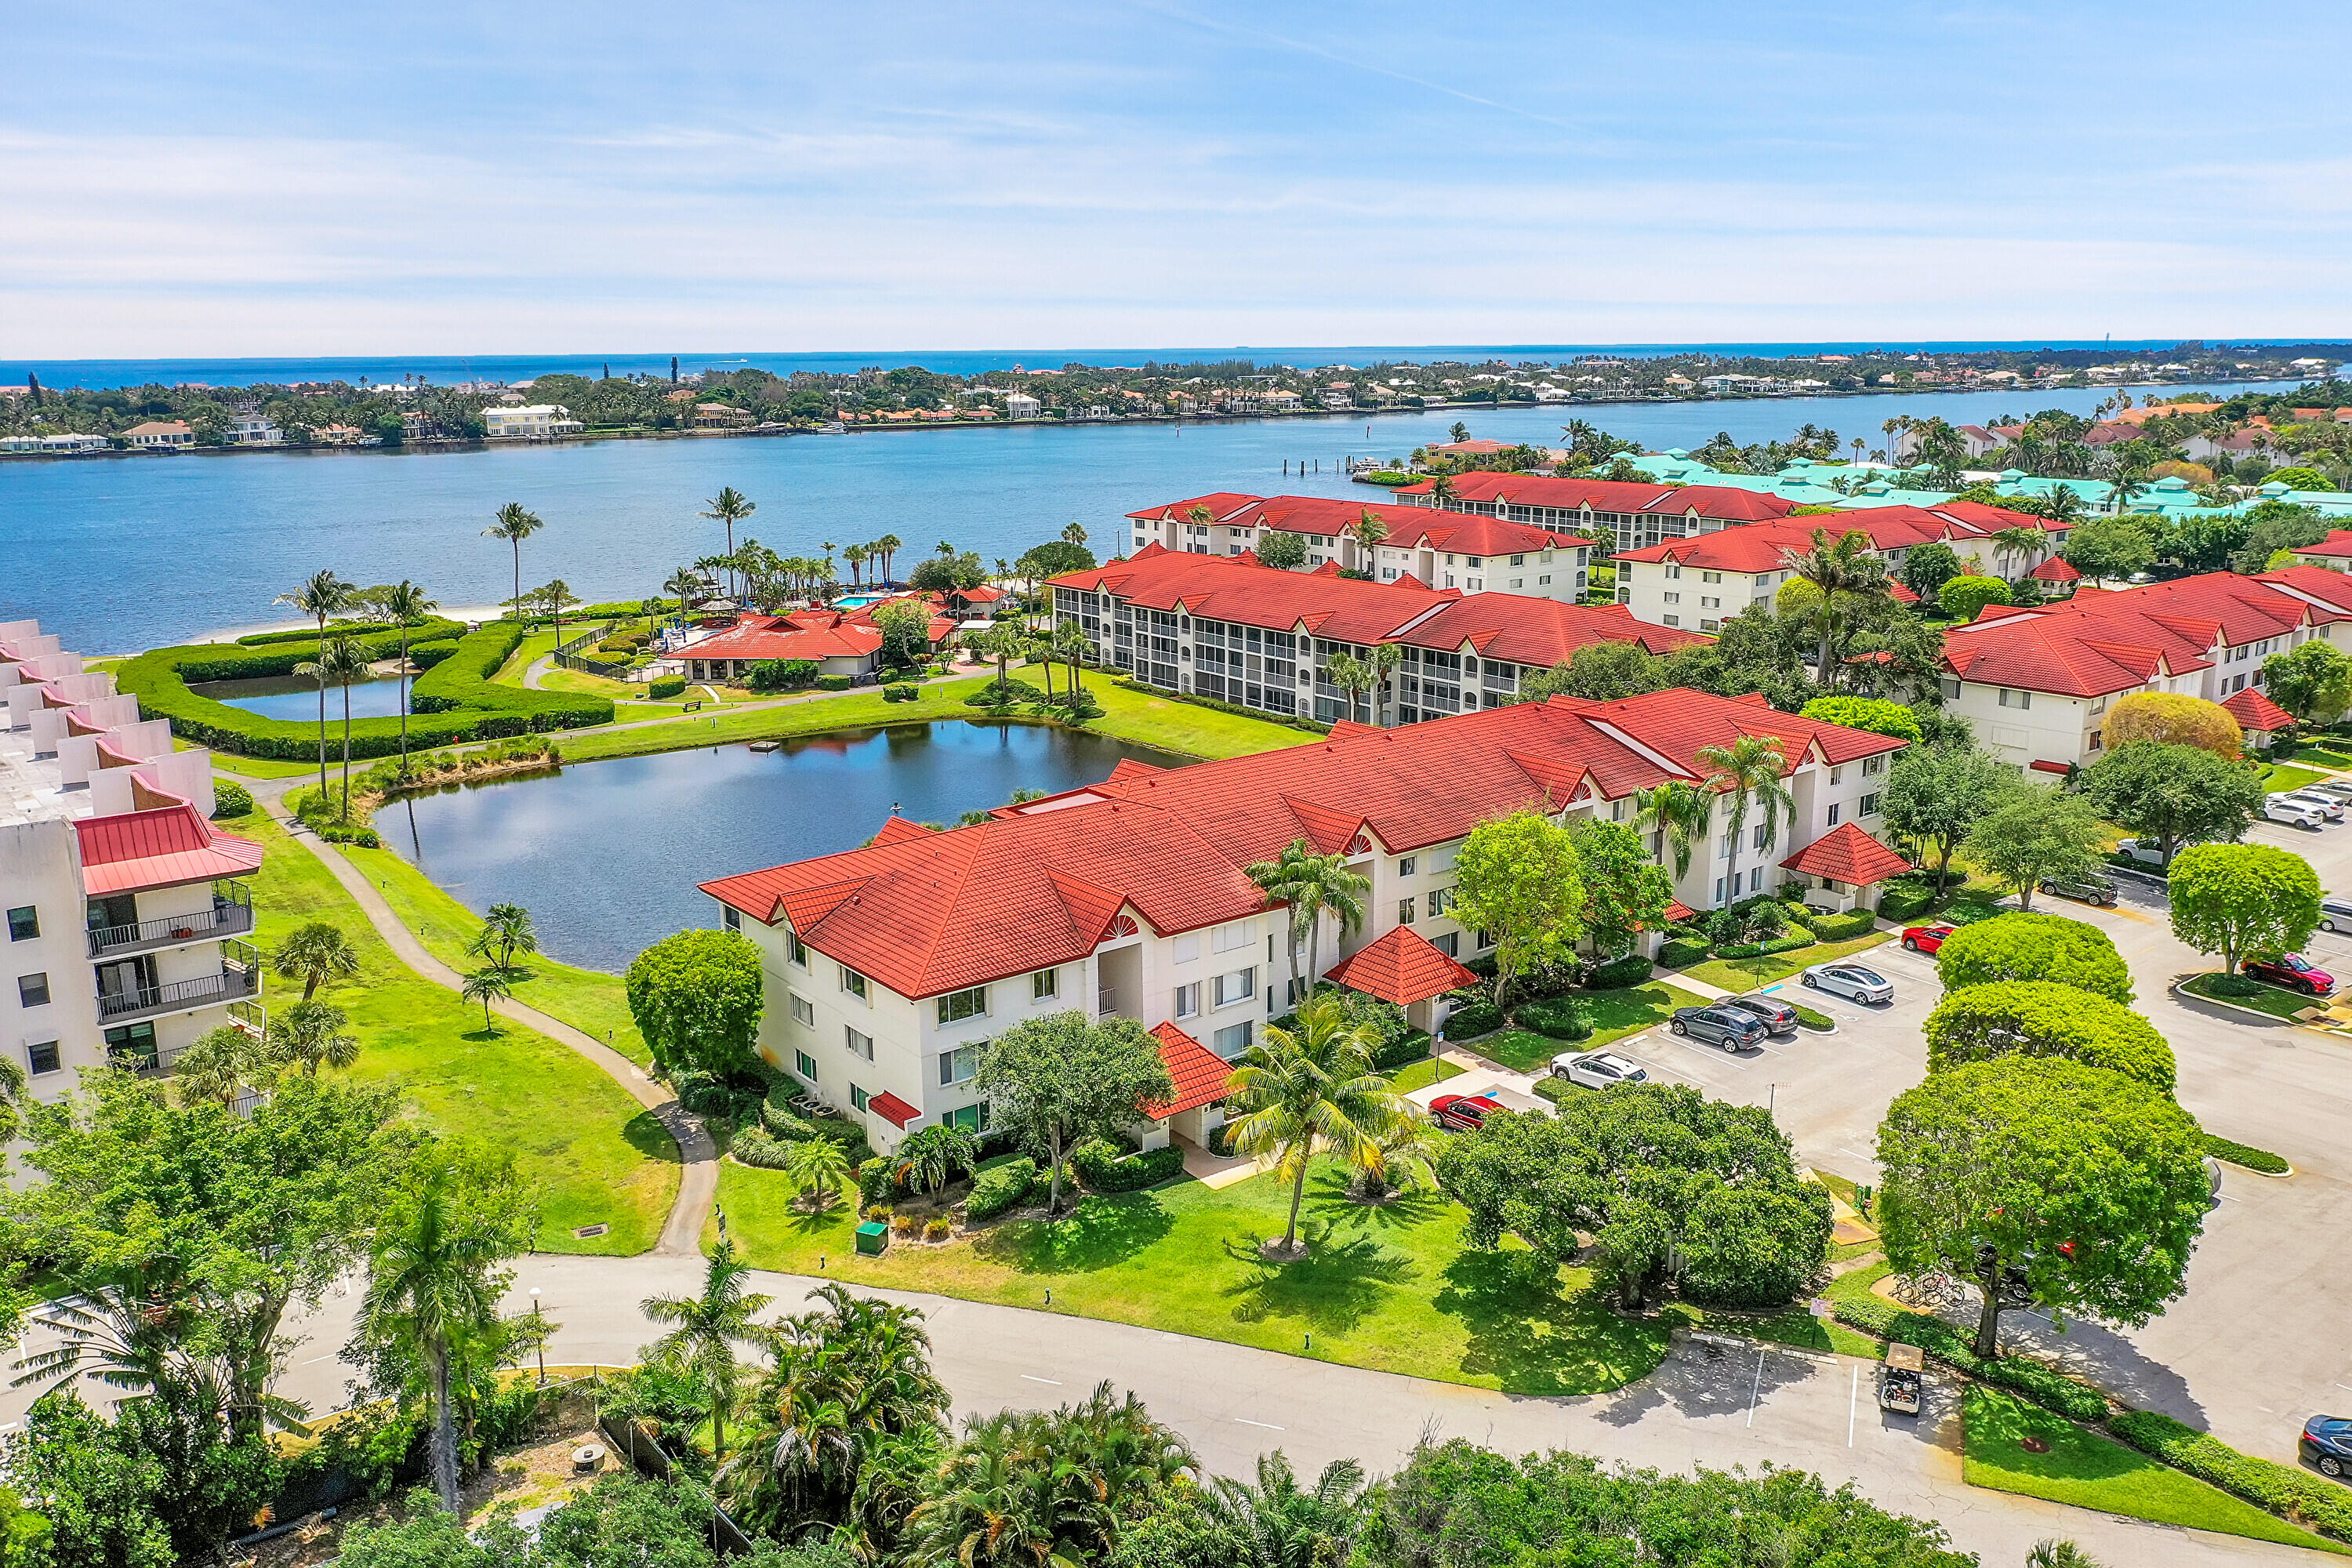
column 539, row 1322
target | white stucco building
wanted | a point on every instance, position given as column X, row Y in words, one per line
column 530, row 421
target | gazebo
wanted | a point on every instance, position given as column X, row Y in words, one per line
column 2055, row 577
column 1406, row 968
column 2257, row 716
column 1847, row 865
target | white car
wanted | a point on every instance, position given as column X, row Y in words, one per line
column 2287, row 808
column 2338, row 788
column 1597, row 1069
column 2330, row 806
column 2147, row 851
column 2335, row 914
column 1850, row 980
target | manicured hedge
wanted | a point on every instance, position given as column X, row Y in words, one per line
column 1556, row 1018
column 664, row 686
column 2320, row 1505
column 1099, row 1166
column 780, row 1123
column 833, row 683
column 463, row 680
column 1683, row 951
column 2043, row 1018
column 2245, row 1154
column 2042, row 1384
column 1766, row 949
column 752, row 1147
column 422, row 630
column 1401, row 1052
column 1618, row 974
column 1000, row 1188
column 236, row 662
column 1843, row 928
column 1471, row 1017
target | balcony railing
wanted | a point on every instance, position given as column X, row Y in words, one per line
column 239, row 978
column 231, row 915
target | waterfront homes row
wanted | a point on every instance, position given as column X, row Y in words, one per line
column 1228, row 628
column 1628, row 514
column 2037, row 682
column 890, row 967
column 125, row 908
column 1468, row 551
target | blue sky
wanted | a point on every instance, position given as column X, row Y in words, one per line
column 526, row 177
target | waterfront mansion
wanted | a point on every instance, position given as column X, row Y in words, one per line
column 890, row 967
column 1228, row 628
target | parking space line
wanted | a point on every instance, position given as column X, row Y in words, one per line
column 1853, row 1404
column 1756, row 1391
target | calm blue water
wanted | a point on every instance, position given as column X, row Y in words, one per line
column 295, row 698
column 606, row 855
column 116, row 554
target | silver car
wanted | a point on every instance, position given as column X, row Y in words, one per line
column 2328, row 804
column 2287, row 808
column 1597, row 1069
column 2341, row 789
column 2335, row 914
column 1850, row 980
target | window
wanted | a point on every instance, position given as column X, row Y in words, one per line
column 23, row 924
column 1238, row 986
column 1762, row 835
column 1952, row 692
column 1709, row 602
column 803, row 1010
column 1046, row 983
column 134, row 1044
column 1710, row 576
column 1231, row 1041
column 959, row 1065
column 860, row 1046
column 734, row 918
column 1226, row 938
column 852, row 981
column 1756, row 879
column 970, row 1117
column 1672, row 598
column 1673, row 620
column 804, row 1065
column 1833, row 813
column 1450, row 944
column 857, row 1099
column 1405, row 867
column 2012, row 699
column 33, row 990
column 1404, row 911
column 1719, row 890
column 958, row 1005
column 1187, row 947
column 1870, row 806
column 43, row 1055
column 795, row 949
column 1188, row 1000
column 1837, row 775
column 1439, row 897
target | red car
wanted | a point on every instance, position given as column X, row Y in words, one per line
column 2292, row 972
column 1924, row 939
column 1464, row 1113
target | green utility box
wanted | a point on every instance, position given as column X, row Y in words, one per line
column 872, row 1238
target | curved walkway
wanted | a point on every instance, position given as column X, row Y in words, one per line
column 698, row 1180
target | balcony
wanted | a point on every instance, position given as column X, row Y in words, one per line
column 240, row 980
column 231, row 915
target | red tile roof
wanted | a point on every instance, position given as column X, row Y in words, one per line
column 158, row 849
column 2056, row 570
column 891, row 1109
column 2100, row 642
column 1719, row 502
column 1200, row 1075
column 2337, row 543
column 1409, row 527
column 1403, row 967
column 1041, row 884
column 1761, row 548
column 820, row 634
column 1846, row 854
column 2255, row 711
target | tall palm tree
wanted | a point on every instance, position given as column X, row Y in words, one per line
column 486, row 986
column 2127, row 485
column 2025, row 539
column 1311, row 1087
column 703, row 1331
column 507, row 930
column 1847, row 572
column 321, row 596
column 314, row 954
column 434, row 1279
column 515, row 525
column 889, row 545
column 1350, row 675
column 1748, row 771
column 1076, row 533
column 405, row 604
column 339, row 662
column 311, row 1035
column 730, row 507
column 1070, row 642
column 1677, row 813
column 221, row 1063
column 1381, row 660
column 684, row 585
column 829, row 547
column 1308, row 884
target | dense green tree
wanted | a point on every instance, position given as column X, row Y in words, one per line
column 1962, row 597
column 705, row 1331
column 1625, row 891
column 2110, row 549
column 1928, row 567
column 2237, row 898
column 2174, row 793
column 1282, row 549
column 697, row 999
column 2046, row 1019
column 2275, row 525
column 1059, row 1080
column 1516, row 879
column 2043, row 1181
column 2027, row 946
column 2034, row 832
column 1053, row 558
column 161, row 1482
column 1272, row 1522
column 1936, row 793
column 2310, row 681
column 2205, row 542
column 1602, row 671
column 907, row 635
column 943, row 573
column 1875, row 715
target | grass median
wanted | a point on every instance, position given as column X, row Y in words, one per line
column 1747, row 974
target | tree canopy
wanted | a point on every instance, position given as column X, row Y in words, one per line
column 2024, row 946
column 1928, row 567
column 2035, row 832
column 1517, row 879
column 2310, row 681
column 1059, row 1080
column 1962, row 597
column 1626, row 892
column 1875, row 715
column 695, row 997
column 2174, row 793
column 1602, row 671
column 2239, row 899
column 1280, row 548
column 2046, row 1019
column 2109, row 548
column 1936, row 793
column 2172, row 717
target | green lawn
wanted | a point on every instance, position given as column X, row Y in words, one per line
column 594, row 1155
column 1423, row 1073
column 2271, row 999
column 589, row 1000
column 2279, row 778
column 2091, row 1471
column 1747, row 974
column 1390, row 1287
column 1184, row 727
column 1615, row 1014
column 251, row 768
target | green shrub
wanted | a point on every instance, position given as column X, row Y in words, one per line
column 752, row 1147
column 1398, row 1054
column 1004, row 696
column 2320, row 1505
column 1791, row 943
column 833, row 683
column 2037, row 946
column 1682, row 951
column 426, row 630
column 1473, row 1015
column 1000, row 1188
column 906, row 692
column 1809, row 1019
column 1962, row 597
column 2253, row 1159
column 937, row 1228
column 1619, row 974
column 1556, row 1018
column 783, row 1123
column 463, row 680
column 230, row 800
column 1904, row 898
column 2040, row 1383
column 345, row 833
column 782, row 674
column 662, row 686
column 2233, row 986
column 1844, row 927
column 425, row 655
column 874, row 1182
column 1099, row 1166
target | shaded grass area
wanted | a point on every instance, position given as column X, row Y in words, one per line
column 591, row 1152
column 589, row 1000
column 1747, row 974
column 1391, row 1287
column 1614, row 1015
column 2271, row 999
column 2087, row 1470
column 1422, row 1073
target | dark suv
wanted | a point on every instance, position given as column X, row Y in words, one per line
column 1720, row 1023
column 1779, row 1016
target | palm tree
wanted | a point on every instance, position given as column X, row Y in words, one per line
column 310, row 1035
column 1381, row 660
column 703, row 1331
column 514, row 526
column 2026, row 538
column 405, row 604
column 829, row 547
column 2064, row 503
column 2059, row 1554
column 486, row 986
column 2127, row 485
column 433, row 1281
column 817, row 1167
column 1070, row 642
column 221, row 1063
column 341, row 662
column 1283, row 1525
column 127, row 1332
column 322, row 595
column 1312, row 1088
column 315, row 953
column 1441, row 490
column 685, row 586
column 889, row 546
column 1074, row 534
column 730, row 508
column 1843, row 572
column 1349, row 674
column 1308, row 884
column 507, row 930
column 1677, row 812
column 1750, row 770
column 1459, row 434
column 931, row 1158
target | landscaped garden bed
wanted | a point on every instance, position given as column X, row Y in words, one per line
column 2251, row 994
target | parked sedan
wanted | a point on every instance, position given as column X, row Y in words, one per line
column 1719, row 1024
column 2292, row 972
column 2340, row 788
column 1850, row 980
column 2088, row 889
column 1926, row 939
column 1597, row 1069
column 2300, row 813
column 2335, row 914
column 2328, row 804
column 2326, row 1442
column 1779, row 1016
column 1464, row 1113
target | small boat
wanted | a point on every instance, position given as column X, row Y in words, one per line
column 767, row 745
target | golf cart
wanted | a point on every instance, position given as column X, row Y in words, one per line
column 1899, row 1382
